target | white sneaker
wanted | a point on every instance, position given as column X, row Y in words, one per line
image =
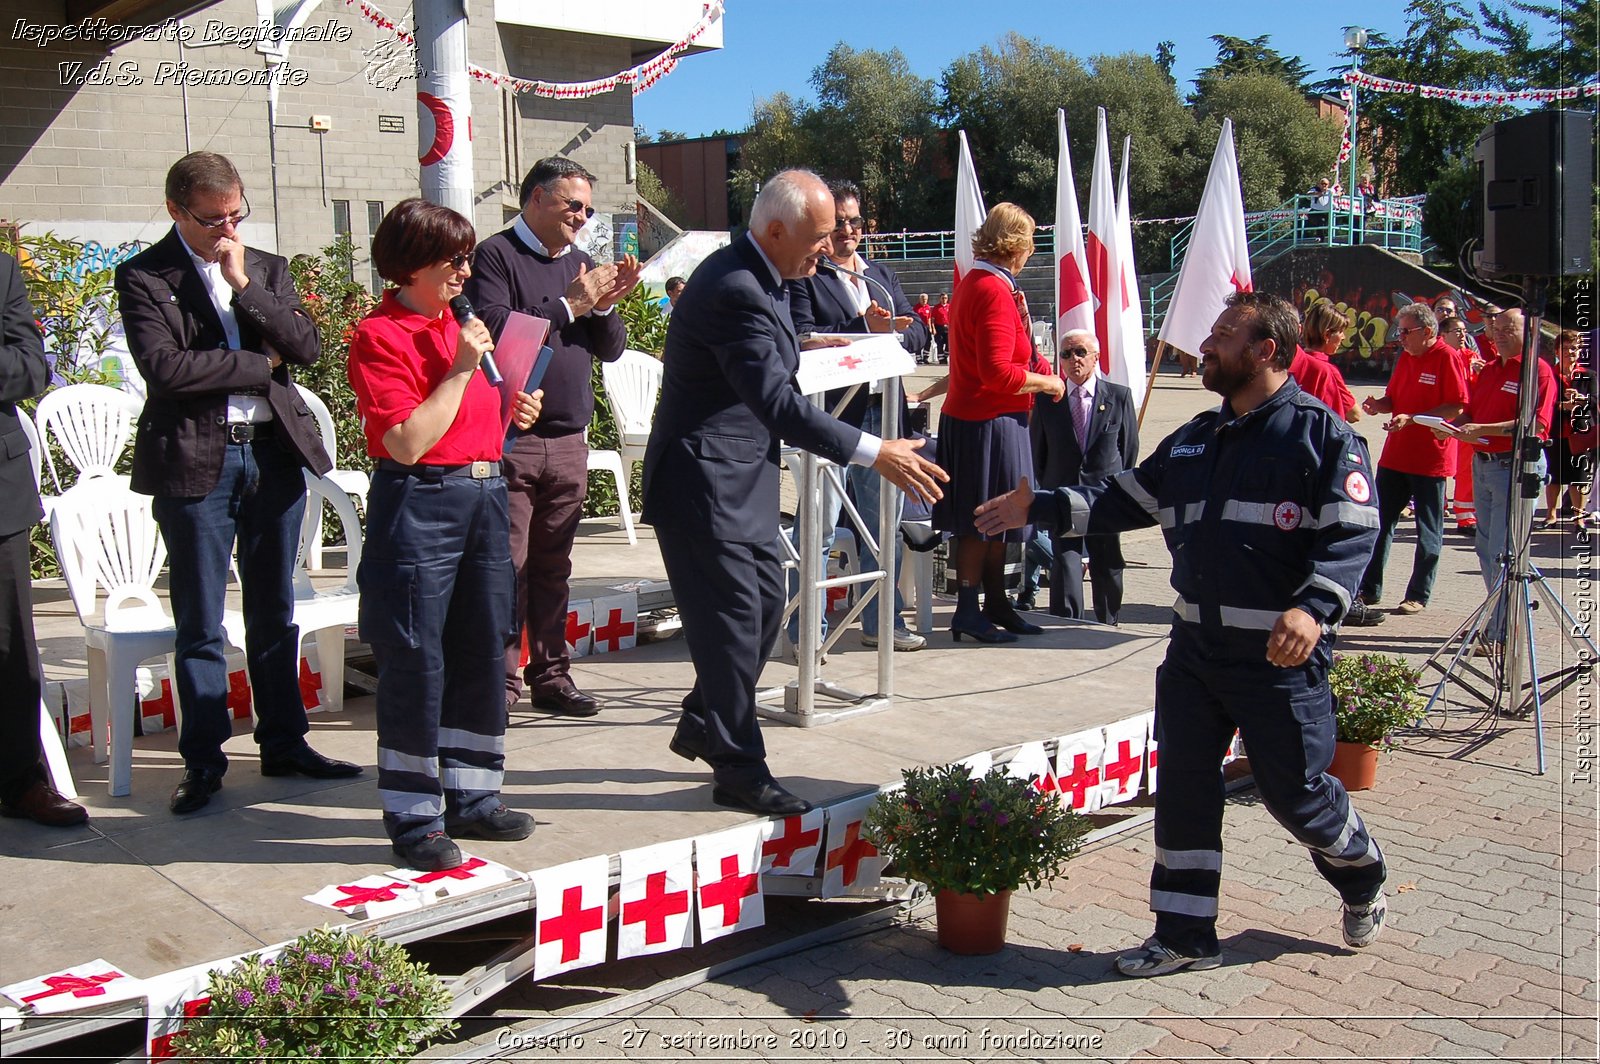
column 904, row 639
column 1364, row 923
column 1153, row 958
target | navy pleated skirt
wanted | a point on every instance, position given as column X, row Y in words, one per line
column 984, row 459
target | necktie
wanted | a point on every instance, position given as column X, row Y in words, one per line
column 1080, row 417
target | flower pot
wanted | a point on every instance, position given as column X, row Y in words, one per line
column 972, row 924
column 1355, row 765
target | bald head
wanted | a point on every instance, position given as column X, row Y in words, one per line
column 1506, row 331
column 791, row 220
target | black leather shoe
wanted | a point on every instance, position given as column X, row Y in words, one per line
column 434, row 852
column 307, row 762
column 685, row 748
column 767, row 798
column 1025, row 603
column 502, row 825
column 568, row 701
column 1013, row 622
column 980, row 629
column 195, row 789
column 42, row 804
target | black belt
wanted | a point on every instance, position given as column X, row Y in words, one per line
column 475, row 470
column 249, row 431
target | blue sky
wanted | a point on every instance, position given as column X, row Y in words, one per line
column 771, row 46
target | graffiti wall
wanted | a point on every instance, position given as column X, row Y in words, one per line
column 1367, row 285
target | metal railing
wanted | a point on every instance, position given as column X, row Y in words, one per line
column 1328, row 222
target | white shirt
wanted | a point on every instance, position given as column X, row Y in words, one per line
column 520, row 227
column 241, row 408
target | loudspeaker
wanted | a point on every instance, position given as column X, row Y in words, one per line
column 1536, row 195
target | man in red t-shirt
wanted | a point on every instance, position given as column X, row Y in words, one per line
column 1427, row 380
column 924, row 311
column 941, row 327
column 1489, row 423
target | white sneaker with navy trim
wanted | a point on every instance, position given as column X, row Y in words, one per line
column 1153, row 958
column 1364, row 923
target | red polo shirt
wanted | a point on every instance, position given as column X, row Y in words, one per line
column 397, row 359
column 1320, row 378
column 1418, row 384
column 1494, row 399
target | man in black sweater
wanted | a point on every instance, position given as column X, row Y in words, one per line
column 536, row 268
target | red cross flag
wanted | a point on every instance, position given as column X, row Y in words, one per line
column 654, row 899
column 372, row 896
column 1105, row 261
column 1217, row 263
column 1151, row 756
column 174, row 998
column 310, row 686
column 580, row 630
column 1126, row 741
column 789, row 845
column 1031, row 763
column 472, row 874
column 851, row 864
column 616, row 623
column 80, row 987
column 727, row 868
column 570, row 915
column 239, row 703
column 1235, row 749
column 1074, row 305
column 1079, row 758
column 1129, row 369
column 159, row 711
column 970, row 210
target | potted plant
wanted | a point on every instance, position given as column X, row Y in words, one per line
column 1373, row 695
column 974, row 841
column 329, row 994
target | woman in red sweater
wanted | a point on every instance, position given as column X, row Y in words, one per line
column 983, row 429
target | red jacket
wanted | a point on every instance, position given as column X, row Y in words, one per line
column 989, row 349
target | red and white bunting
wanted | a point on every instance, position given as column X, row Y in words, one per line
column 80, row 987
column 654, row 899
column 979, row 763
column 158, row 710
column 174, row 998
column 1150, row 751
column 1079, row 758
column 790, row 845
column 1124, row 760
column 580, row 630
column 852, row 865
column 616, row 623
column 471, row 875
column 728, row 894
column 1031, row 763
column 1363, row 80
column 570, row 915
column 372, row 896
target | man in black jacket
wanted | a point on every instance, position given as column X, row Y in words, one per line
column 213, row 327
column 24, row 374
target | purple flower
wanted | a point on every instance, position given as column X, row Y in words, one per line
column 330, row 989
column 269, row 962
column 348, row 958
column 261, row 1041
column 368, row 966
column 273, row 984
column 243, row 998
column 1002, row 819
column 350, row 980
column 352, row 994
column 319, row 960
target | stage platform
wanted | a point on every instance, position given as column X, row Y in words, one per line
column 152, row 893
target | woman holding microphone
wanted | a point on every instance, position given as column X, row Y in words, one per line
column 436, row 577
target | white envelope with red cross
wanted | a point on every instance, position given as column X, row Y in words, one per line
column 82, row 986
column 655, row 899
column 1126, row 742
column 472, row 874
column 570, row 917
column 790, row 844
column 1079, row 758
column 372, row 896
column 728, row 897
column 851, row 864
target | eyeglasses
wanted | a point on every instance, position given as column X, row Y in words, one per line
column 842, row 224
column 1078, row 352
column 218, row 223
column 578, row 207
column 458, row 262
column 1412, row 329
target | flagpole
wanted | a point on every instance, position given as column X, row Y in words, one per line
column 1150, row 380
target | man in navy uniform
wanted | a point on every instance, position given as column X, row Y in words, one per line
column 1267, row 507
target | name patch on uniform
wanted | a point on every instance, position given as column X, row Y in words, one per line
column 1512, row 387
column 1187, row 450
column 1427, row 378
column 1286, row 515
column 1356, row 486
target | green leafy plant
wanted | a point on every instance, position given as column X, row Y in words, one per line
column 337, row 304
column 331, row 995
column 974, row 836
column 647, row 332
column 1373, row 694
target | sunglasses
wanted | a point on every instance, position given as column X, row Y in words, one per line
column 1077, row 352
column 457, row 262
column 578, row 207
column 848, row 223
column 218, row 223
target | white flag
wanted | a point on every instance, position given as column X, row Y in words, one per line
column 790, row 845
column 1079, row 758
column 1126, row 744
column 1217, row 263
column 1129, row 370
column 1074, row 304
column 853, row 865
column 1105, row 264
column 175, row 998
column 655, row 899
column 570, row 915
column 970, row 210
column 727, row 868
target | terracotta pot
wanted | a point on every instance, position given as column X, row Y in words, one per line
column 972, row 924
column 1355, row 765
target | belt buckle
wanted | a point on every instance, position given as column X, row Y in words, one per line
column 240, row 432
column 483, row 470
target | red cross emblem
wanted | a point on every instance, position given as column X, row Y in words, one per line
column 354, row 896
column 239, row 695
column 76, row 985
column 849, row 362
column 1082, row 779
column 653, row 909
column 462, row 872
column 576, row 630
column 613, row 631
column 729, row 892
column 1126, row 766
column 572, row 924
column 849, row 854
column 310, row 685
column 163, row 705
column 782, row 848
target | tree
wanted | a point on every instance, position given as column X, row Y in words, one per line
column 1447, row 216
column 1570, row 59
column 658, row 195
column 1283, row 144
column 1237, row 57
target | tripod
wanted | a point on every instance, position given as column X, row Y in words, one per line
column 1521, row 588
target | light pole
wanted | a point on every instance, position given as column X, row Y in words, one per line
column 1355, row 39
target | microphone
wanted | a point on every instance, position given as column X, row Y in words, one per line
column 888, row 300
column 461, row 307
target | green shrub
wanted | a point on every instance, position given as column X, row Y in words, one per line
column 1373, row 694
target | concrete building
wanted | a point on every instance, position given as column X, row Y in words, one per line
column 99, row 97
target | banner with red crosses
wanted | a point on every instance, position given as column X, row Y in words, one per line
column 82, row 986
column 655, row 899
column 852, row 865
column 1079, row 759
column 616, row 623
column 1120, row 774
column 1031, row 763
column 570, row 917
column 790, row 845
column 1150, row 754
column 728, row 897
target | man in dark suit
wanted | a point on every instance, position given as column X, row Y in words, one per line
column 24, row 792
column 711, row 474
column 1088, row 437
column 833, row 302
column 212, row 326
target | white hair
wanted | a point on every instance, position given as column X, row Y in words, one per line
column 1090, row 341
column 783, row 199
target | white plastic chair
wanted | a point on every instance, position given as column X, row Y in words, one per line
column 106, row 537
column 354, row 482
column 35, row 458
column 55, row 752
column 632, row 384
column 611, row 462
column 93, row 424
column 329, row 611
